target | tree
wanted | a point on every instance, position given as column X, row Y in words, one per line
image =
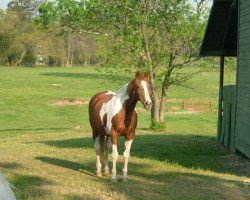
column 18, row 35
column 26, row 9
column 162, row 36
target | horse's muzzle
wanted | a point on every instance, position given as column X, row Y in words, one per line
column 148, row 105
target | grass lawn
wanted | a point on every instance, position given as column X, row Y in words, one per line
column 47, row 152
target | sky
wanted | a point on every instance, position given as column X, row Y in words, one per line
column 3, row 4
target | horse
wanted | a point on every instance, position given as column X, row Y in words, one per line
column 6, row 193
column 112, row 115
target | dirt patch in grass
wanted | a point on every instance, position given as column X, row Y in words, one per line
column 190, row 112
column 70, row 102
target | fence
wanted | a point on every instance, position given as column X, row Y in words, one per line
column 197, row 105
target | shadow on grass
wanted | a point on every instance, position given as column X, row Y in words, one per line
column 29, row 187
column 147, row 183
column 71, row 143
column 35, row 129
column 78, row 197
column 111, row 77
column 190, row 151
column 178, row 185
column 8, row 165
column 84, row 168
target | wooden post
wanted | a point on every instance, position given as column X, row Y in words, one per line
column 220, row 106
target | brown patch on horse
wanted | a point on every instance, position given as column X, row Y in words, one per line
column 95, row 105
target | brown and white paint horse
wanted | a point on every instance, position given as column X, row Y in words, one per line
column 112, row 115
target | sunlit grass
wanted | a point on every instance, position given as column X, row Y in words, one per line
column 47, row 151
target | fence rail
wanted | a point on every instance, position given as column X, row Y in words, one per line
column 197, row 105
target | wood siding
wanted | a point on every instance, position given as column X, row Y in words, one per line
column 242, row 128
column 226, row 135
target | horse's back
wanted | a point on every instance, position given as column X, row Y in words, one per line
column 97, row 100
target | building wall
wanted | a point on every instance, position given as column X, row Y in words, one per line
column 242, row 129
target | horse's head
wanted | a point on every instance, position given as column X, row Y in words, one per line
column 143, row 90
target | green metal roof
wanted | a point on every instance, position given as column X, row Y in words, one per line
column 220, row 38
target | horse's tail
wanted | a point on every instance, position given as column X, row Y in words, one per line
column 6, row 192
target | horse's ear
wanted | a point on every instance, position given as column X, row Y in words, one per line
column 137, row 74
column 147, row 74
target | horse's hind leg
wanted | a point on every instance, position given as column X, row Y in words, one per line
column 108, row 145
column 97, row 147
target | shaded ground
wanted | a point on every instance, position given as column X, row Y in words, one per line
column 162, row 166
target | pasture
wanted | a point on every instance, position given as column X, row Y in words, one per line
column 47, row 150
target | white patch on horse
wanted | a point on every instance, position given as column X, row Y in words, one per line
column 113, row 106
column 146, row 93
column 110, row 92
column 5, row 189
column 98, row 159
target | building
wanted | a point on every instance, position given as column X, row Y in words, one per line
column 228, row 34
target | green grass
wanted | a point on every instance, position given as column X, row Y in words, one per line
column 45, row 157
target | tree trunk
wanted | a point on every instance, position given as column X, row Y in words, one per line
column 72, row 57
column 21, row 58
column 68, row 50
column 165, row 85
column 155, row 107
column 163, row 101
column 86, row 61
column 149, row 63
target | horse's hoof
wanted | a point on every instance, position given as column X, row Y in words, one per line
column 107, row 172
column 99, row 174
column 125, row 180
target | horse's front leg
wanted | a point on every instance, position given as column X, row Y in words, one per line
column 114, row 156
column 126, row 155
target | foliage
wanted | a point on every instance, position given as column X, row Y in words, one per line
column 18, row 36
column 21, row 38
column 26, row 9
column 29, row 58
column 150, row 35
column 157, row 126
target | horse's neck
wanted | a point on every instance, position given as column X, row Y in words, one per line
column 127, row 93
column 130, row 105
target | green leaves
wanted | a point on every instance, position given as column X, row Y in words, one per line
column 158, row 35
column 47, row 14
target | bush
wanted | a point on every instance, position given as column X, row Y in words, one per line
column 29, row 59
column 157, row 126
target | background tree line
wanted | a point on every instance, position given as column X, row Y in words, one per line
column 24, row 43
column 162, row 36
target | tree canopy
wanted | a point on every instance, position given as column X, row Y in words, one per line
column 157, row 35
